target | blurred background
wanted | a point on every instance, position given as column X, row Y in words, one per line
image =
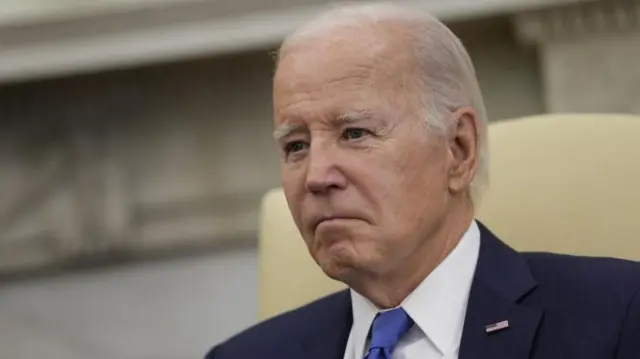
column 135, row 146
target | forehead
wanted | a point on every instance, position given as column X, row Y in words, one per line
column 341, row 66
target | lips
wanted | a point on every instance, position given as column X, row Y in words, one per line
column 316, row 221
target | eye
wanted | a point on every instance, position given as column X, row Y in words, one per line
column 354, row 133
column 295, row 146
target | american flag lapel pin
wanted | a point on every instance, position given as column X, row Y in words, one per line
column 495, row 327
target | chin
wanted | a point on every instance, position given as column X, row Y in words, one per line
column 338, row 271
column 336, row 264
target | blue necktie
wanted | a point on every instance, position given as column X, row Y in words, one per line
column 388, row 327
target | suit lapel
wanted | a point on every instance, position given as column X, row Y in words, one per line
column 501, row 282
column 330, row 329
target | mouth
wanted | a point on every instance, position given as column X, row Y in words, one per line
column 333, row 219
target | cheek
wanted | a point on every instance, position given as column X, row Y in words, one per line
column 293, row 192
column 411, row 188
column 390, row 181
column 423, row 167
column 292, row 180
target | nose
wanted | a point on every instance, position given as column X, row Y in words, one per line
column 323, row 171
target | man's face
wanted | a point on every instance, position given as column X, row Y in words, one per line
column 365, row 180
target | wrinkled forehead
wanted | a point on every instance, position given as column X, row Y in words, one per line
column 340, row 71
column 342, row 56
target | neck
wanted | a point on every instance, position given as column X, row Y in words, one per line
column 390, row 289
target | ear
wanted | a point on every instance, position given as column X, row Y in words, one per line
column 463, row 148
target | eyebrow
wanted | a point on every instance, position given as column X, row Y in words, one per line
column 348, row 117
column 285, row 130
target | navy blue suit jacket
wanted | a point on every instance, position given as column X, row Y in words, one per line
column 558, row 307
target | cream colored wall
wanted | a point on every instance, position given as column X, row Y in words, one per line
column 613, row 88
column 192, row 142
column 161, row 310
column 141, row 160
column 52, row 38
column 17, row 11
column 588, row 55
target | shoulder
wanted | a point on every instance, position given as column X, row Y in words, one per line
column 280, row 330
column 583, row 297
column 579, row 269
column 611, row 280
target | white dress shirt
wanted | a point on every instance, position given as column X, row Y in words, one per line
column 437, row 306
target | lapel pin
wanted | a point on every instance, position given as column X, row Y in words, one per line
column 495, row 327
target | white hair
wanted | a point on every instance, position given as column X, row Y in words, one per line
column 447, row 74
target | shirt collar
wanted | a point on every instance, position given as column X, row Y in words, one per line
column 438, row 305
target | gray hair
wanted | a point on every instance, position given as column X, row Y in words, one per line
column 447, row 74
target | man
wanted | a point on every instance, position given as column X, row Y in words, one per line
column 382, row 129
